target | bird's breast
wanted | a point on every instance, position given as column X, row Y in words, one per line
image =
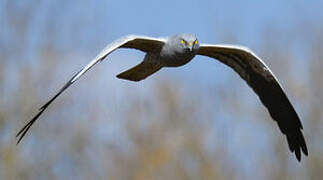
column 176, row 60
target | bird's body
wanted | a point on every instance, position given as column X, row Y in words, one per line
column 159, row 57
column 176, row 59
column 180, row 49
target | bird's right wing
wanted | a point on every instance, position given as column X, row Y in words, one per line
column 143, row 43
column 260, row 78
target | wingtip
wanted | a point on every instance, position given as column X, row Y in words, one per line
column 297, row 144
column 21, row 134
column 18, row 141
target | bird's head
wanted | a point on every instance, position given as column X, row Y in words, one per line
column 186, row 43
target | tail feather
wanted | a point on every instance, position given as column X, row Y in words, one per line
column 140, row 72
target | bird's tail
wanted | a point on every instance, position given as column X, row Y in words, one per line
column 140, row 72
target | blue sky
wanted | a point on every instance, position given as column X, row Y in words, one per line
column 83, row 28
column 207, row 19
column 88, row 26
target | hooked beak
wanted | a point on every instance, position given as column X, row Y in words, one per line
column 190, row 47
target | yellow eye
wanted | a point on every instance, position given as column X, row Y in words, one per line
column 195, row 42
column 182, row 41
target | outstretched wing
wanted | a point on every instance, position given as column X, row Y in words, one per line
column 260, row 78
column 146, row 44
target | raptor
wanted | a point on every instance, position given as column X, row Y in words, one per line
column 180, row 49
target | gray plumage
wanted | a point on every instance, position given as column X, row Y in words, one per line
column 178, row 50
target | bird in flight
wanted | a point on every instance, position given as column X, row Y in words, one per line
column 180, row 49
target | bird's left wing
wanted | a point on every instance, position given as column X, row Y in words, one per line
column 260, row 78
column 143, row 43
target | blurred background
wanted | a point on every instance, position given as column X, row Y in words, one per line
column 199, row 121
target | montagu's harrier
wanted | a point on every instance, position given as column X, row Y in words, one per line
column 178, row 50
